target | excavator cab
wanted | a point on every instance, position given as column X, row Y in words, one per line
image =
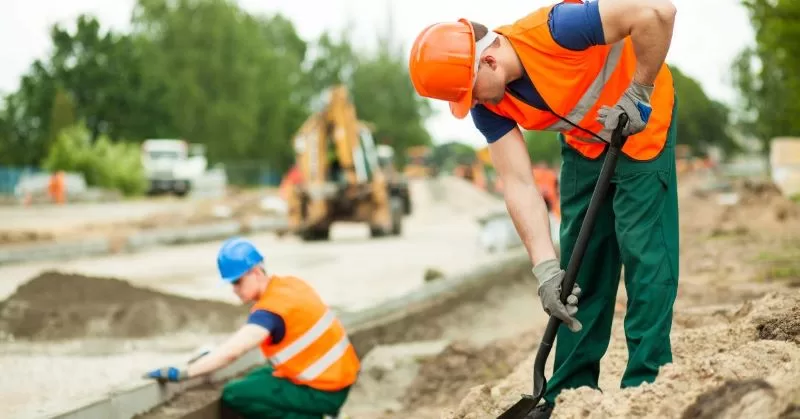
column 342, row 179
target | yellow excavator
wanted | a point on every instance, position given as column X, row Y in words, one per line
column 340, row 177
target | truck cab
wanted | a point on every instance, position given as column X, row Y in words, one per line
column 172, row 165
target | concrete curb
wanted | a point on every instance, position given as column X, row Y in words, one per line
column 367, row 328
column 137, row 241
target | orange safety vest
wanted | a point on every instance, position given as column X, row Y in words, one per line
column 315, row 351
column 575, row 84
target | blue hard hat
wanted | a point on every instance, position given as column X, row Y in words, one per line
column 236, row 257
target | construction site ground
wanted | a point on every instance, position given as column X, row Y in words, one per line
column 735, row 335
column 736, row 331
column 102, row 321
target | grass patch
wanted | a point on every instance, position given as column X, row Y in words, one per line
column 782, row 264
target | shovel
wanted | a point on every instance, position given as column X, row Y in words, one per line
column 527, row 403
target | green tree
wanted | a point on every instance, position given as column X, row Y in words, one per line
column 543, row 146
column 236, row 83
column 92, row 76
column 767, row 75
column 702, row 122
column 62, row 115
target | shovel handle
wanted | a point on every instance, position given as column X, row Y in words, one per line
column 598, row 196
column 527, row 403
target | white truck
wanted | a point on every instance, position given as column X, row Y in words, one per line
column 172, row 165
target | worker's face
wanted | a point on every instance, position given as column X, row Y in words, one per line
column 490, row 86
column 248, row 286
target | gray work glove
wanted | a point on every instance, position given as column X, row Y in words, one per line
column 549, row 274
column 636, row 103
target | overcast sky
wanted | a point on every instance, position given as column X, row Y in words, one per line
column 708, row 33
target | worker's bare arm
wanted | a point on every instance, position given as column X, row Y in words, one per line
column 649, row 23
column 523, row 199
column 246, row 338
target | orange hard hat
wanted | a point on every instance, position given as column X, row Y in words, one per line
column 444, row 62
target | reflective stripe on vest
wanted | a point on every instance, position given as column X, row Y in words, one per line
column 591, row 96
column 325, row 361
column 305, row 340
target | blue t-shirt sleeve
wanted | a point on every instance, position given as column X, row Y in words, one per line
column 270, row 321
column 490, row 124
column 576, row 26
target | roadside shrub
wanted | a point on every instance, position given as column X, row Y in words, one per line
column 104, row 163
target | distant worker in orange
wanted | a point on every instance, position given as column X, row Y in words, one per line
column 574, row 67
column 312, row 364
column 57, row 187
column 547, row 181
column 292, row 178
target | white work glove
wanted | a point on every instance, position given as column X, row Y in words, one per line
column 549, row 274
column 636, row 103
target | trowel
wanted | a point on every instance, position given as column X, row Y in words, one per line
column 522, row 408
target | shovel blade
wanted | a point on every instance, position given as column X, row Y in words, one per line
column 521, row 408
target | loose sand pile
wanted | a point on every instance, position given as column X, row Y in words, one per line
column 757, row 340
column 57, row 306
column 736, row 331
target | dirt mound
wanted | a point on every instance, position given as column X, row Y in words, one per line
column 462, row 366
column 23, row 236
column 785, row 326
column 710, row 404
column 715, row 361
column 745, row 206
column 56, row 305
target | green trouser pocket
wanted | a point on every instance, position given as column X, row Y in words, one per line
column 261, row 395
column 636, row 227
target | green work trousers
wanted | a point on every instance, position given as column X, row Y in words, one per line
column 261, row 395
column 637, row 226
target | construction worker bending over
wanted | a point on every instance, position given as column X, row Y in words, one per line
column 312, row 364
column 574, row 67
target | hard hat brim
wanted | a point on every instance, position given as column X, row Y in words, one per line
column 461, row 108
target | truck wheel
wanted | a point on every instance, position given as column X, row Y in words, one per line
column 315, row 234
column 406, row 204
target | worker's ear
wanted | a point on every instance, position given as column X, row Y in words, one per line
column 490, row 61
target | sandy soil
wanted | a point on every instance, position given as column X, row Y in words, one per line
column 735, row 336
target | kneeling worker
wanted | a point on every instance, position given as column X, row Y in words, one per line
column 312, row 364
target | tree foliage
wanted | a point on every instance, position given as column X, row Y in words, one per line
column 206, row 71
column 767, row 75
column 702, row 122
